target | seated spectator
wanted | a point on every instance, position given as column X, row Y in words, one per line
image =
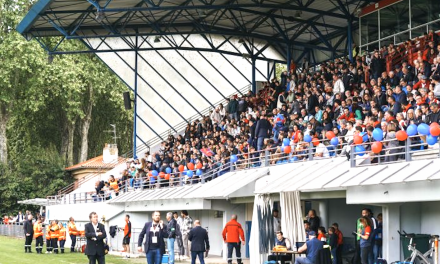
column 285, row 242
column 311, row 248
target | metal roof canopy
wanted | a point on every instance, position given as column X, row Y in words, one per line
column 286, row 26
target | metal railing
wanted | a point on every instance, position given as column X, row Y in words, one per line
column 300, row 152
column 407, row 150
column 76, row 184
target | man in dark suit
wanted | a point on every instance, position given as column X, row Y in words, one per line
column 95, row 234
column 199, row 242
column 154, row 233
column 29, row 234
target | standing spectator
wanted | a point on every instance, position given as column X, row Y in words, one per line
column 262, row 131
column 127, row 236
column 171, row 234
column 340, row 243
column 276, row 221
column 54, row 234
column 377, row 247
column 29, row 233
column 338, row 85
column 179, row 224
column 314, row 220
column 73, row 232
column 154, row 233
column 365, row 242
column 95, row 234
column 232, row 108
column 333, row 243
column 62, row 237
column 311, row 247
column 186, row 227
column 20, row 218
column 38, row 235
column 199, row 242
column 232, row 234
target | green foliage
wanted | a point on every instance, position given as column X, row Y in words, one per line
column 280, row 67
column 45, row 106
column 39, row 172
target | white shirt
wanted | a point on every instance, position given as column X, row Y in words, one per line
column 338, row 87
column 96, row 228
column 276, row 224
column 321, row 148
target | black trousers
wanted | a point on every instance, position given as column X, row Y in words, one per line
column 39, row 243
column 237, row 247
column 62, row 242
column 94, row 258
column 54, row 243
column 49, row 245
column 357, row 254
column 339, row 254
column 28, row 243
column 73, row 239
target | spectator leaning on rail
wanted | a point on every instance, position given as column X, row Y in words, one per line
column 232, row 235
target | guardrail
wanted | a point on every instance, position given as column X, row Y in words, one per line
column 298, row 152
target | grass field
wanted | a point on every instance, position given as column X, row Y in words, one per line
column 12, row 252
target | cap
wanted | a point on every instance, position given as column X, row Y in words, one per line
column 433, row 104
column 295, row 113
column 423, row 77
column 312, row 233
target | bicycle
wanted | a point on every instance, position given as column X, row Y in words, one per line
column 418, row 257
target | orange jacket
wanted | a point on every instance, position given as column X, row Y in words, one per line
column 115, row 185
column 233, row 232
column 62, row 234
column 48, row 233
column 38, row 230
column 127, row 229
column 54, row 232
column 72, row 229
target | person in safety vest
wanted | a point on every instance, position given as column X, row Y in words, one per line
column 62, row 237
column 73, row 233
column 38, row 235
column 54, row 234
column 114, row 184
column 48, row 240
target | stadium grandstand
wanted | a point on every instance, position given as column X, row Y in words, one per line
column 217, row 133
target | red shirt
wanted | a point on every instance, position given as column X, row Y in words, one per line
column 340, row 237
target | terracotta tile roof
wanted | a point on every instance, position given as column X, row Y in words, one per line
column 94, row 163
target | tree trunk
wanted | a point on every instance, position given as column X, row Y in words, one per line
column 70, row 135
column 85, row 126
column 4, row 117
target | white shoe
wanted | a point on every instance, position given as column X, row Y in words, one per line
column 47, row 252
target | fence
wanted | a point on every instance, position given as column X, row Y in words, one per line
column 413, row 147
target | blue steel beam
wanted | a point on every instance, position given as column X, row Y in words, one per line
column 148, row 84
column 205, row 7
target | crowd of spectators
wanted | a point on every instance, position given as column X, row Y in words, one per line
column 20, row 217
column 342, row 96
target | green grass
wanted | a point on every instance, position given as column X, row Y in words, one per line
column 12, row 252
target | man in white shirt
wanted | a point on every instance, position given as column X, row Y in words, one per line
column 338, row 85
column 321, row 151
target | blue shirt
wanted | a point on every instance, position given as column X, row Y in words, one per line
column 313, row 246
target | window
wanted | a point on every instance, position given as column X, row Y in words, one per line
column 369, row 28
column 424, row 11
column 394, row 19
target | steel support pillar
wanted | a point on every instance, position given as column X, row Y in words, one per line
column 350, row 40
column 289, row 57
column 254, row 85
column 135, row 97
